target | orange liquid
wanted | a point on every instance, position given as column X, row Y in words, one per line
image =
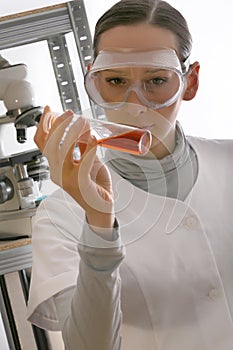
column 134, row 142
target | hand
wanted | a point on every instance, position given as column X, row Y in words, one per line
column 87, row 180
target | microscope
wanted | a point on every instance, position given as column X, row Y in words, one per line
column 21, row 171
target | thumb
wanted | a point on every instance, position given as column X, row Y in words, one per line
column 88, row 157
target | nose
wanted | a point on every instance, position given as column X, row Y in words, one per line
column 133, row 97
column 135, row 103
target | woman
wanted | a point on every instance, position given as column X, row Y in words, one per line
column 136, row 252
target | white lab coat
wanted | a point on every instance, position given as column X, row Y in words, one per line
column 177, row 276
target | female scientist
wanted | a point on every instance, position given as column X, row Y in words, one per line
column 135, row 252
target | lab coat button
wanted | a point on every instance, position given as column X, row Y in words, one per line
column 214, row 293
column 191, row 222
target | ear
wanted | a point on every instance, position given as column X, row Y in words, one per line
column 192, row 82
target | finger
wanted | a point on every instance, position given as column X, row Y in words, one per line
column 55, row 137
column 50, row 119
column 41, row 132
column 85, row 163
column 78, row 129
column 99, row 172
column 88, row 158
column 96, row 194
column 47, row 120
column 58, row 119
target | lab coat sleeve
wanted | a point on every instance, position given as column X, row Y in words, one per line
column 94, row 318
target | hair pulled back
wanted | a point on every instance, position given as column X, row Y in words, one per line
column 154, row 12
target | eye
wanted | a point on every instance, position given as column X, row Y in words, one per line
column 115, row 81
column 157, row 81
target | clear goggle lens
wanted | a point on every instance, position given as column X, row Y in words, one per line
column 155, row 87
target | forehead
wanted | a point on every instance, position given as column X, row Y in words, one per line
column 141, row 37
column 121, row 58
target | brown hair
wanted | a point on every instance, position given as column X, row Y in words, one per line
column 154, row 12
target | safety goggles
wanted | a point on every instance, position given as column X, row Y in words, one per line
column 155, row 77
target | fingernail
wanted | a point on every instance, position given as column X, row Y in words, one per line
column 68, row 113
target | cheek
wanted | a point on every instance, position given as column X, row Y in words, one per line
column 171, row 112
column 165, row 124
column 160, row 130
column 113, row 116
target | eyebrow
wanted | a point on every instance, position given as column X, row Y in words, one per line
column 113, row 70
column 155, row 70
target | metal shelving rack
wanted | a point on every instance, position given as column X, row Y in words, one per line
column 51, row 24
